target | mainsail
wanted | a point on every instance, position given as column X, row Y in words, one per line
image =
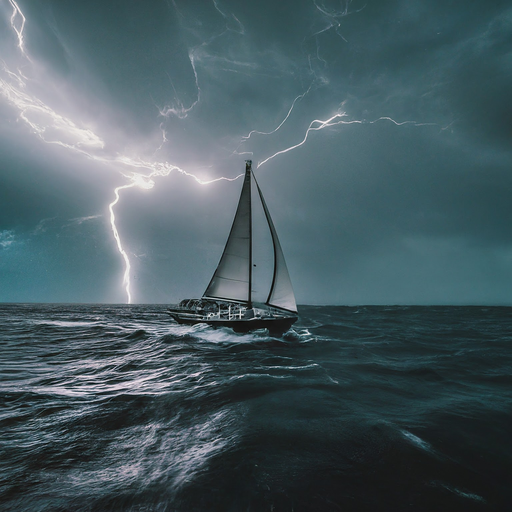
column 232, row 279
column 233, row 276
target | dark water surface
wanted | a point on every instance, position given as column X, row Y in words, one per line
column 365, row 408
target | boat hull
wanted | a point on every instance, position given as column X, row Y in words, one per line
column 275, row 326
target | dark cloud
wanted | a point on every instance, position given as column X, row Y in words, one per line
column 406, row 202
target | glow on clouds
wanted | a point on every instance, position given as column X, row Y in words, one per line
column 53, row 127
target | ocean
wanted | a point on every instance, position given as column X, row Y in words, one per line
column 107, row 407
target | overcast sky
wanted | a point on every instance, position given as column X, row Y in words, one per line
column 403, row 197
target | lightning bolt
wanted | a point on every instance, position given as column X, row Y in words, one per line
column 16, row 12
column 127, row 266
column 180, row 111
column 337, row 119
column 146, row 182
column 299, row 97
column 241, row 29
column 317, row 125
column 43, row 120
column 332, row 17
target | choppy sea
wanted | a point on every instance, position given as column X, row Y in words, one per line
column 358, row 408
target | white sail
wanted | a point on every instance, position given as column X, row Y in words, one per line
column 232, row 279
column 281, row 292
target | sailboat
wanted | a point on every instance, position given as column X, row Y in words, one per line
column 228, row 298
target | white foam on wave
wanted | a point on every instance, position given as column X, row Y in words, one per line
column 208, row 334
column 225, row 335
column 417, row 441
column 67, row 323
column 159, row 452
column 291, row 367
column 300, row 335
column 257, row 376
column 464, row 494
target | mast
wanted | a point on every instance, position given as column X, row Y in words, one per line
column 248, row 171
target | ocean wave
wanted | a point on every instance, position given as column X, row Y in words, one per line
column 117, row 408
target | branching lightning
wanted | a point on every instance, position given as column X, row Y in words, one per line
column 181, row 111
column 241, row 29
column 299, row 97
column 316, row 125
column 145, row 182
column 44, row 121
column 332, row 17
column 337, row 119
column 16, row 12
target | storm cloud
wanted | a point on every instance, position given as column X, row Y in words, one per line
column 403, row 198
